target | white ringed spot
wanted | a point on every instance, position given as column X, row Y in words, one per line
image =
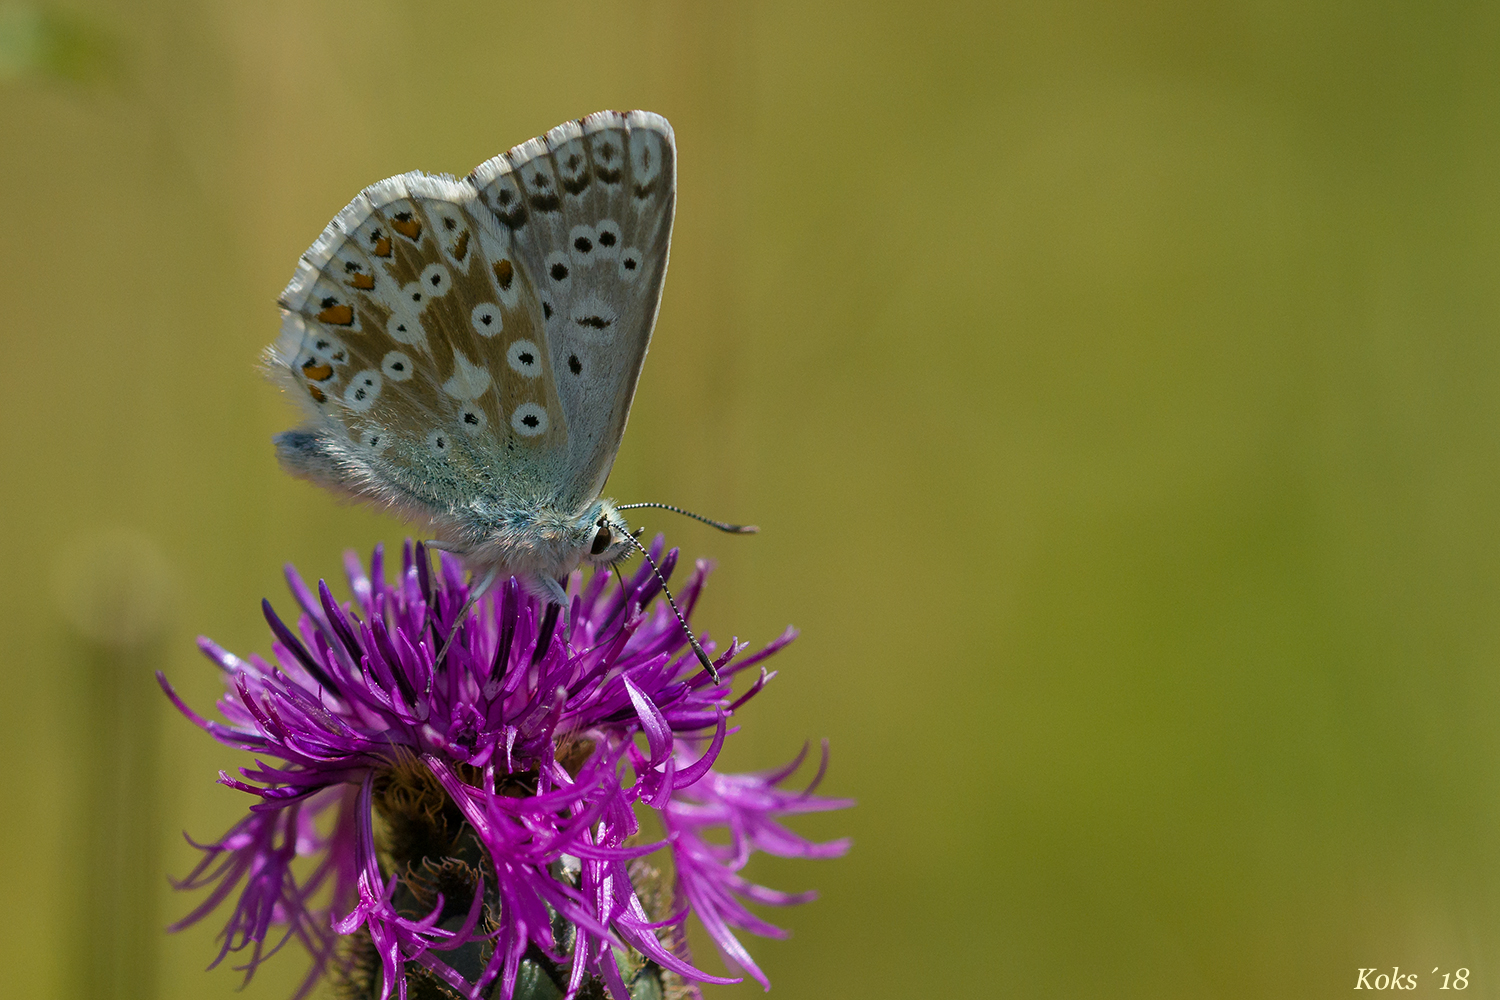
column 363, row 390
column 472, row 420
column 559, row 267
column 436, row 280
column 405, row 329
column 583, row 240
column 607, row 242
column 440, row 443
column 630, row 264
column 524, row 358
column 414, row 296
column 486, row 319
column 529, row 420
column 377, row 439
column 396, row 366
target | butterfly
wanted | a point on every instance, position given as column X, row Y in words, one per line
column 466, row 349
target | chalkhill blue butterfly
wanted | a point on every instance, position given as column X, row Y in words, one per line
column 466, row 350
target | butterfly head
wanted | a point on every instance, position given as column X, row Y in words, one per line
column 609, row 539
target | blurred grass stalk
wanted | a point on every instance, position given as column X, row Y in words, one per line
column 113, row 592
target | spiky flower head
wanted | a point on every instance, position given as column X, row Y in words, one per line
column 463, row 821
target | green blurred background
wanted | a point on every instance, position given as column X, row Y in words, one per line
column 1117, row 387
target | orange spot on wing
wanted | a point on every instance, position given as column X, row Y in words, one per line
column 364, row 282
column 462, row 246
column 504, row 273
column 383, row 246
column 410, row 228
column 318, row 372
column 337, row 315
column 317, row 394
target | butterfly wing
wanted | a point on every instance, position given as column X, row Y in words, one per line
column 589, row 207
column 456, row 346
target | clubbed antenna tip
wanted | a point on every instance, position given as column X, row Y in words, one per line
column 733, row 529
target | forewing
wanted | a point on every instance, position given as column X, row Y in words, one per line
column 588, row 211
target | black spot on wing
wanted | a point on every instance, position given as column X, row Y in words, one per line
column 607, row 162
column 576, row 179
column 511, row 210
column 543, row 197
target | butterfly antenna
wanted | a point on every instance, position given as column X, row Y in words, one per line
column 692, row 639
column 733, row 529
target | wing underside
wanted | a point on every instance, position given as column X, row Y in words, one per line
column 454, row 341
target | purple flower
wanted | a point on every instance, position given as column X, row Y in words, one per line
column 469, row 824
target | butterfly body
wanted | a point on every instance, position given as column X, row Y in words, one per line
column 466, row 350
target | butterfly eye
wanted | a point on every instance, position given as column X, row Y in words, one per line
column 602, row 538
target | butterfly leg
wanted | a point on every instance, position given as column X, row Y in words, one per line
column 556, row 611
column 476, row 591
column 554, row 592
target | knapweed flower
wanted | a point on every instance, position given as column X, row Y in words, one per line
column 436, row 821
